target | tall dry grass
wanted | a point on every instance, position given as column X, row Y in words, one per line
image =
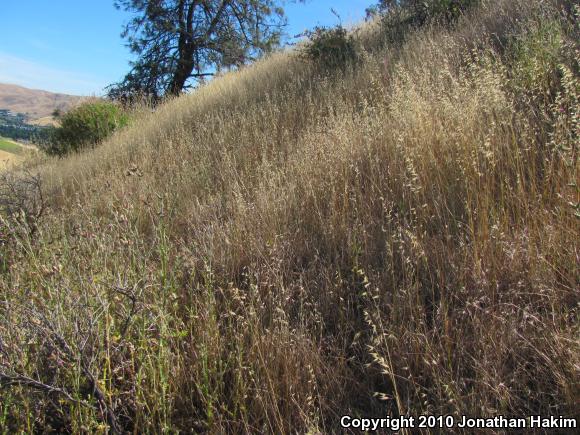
column 283, row 247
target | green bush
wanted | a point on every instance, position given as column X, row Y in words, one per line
column 417, row 13
column 86, row 126
column 447, row 11
column 331, row 47
column 535, row 56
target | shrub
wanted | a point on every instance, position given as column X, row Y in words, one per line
column 447, row 11
column 405, row 14
column 331, row 47
column 86, row 126
column 22, row 205
column 21, row 194
column 535, row 58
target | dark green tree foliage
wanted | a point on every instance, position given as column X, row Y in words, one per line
column 15, row 126
column 179, row 42
column 420, row 12
column 332, row 48
column 85, row 126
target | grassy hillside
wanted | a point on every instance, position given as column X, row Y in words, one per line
column 288, row 245
column 9, row 146
column 9, row 152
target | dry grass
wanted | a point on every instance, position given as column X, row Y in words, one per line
column 46, row 121
column 7, row 159
column 281, row 247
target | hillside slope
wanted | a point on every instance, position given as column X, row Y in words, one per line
column 10, row 152
column 33, row 102
column 6, row 159
column 288, row 245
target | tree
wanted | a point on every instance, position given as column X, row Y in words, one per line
column 182, row 41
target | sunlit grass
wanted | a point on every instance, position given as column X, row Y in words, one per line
column 283, row 247
column 10, row 146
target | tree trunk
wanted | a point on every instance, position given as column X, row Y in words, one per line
column 185, row 50
column 180, row 76
column 188, row 45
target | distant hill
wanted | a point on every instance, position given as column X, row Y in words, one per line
column 33, row 102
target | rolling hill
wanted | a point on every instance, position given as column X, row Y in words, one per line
column 34, row 103
column 301, row 243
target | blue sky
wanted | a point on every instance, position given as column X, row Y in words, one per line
column 74, row 46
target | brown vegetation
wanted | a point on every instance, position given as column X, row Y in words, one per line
column 286, row 246
column 6, row 159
